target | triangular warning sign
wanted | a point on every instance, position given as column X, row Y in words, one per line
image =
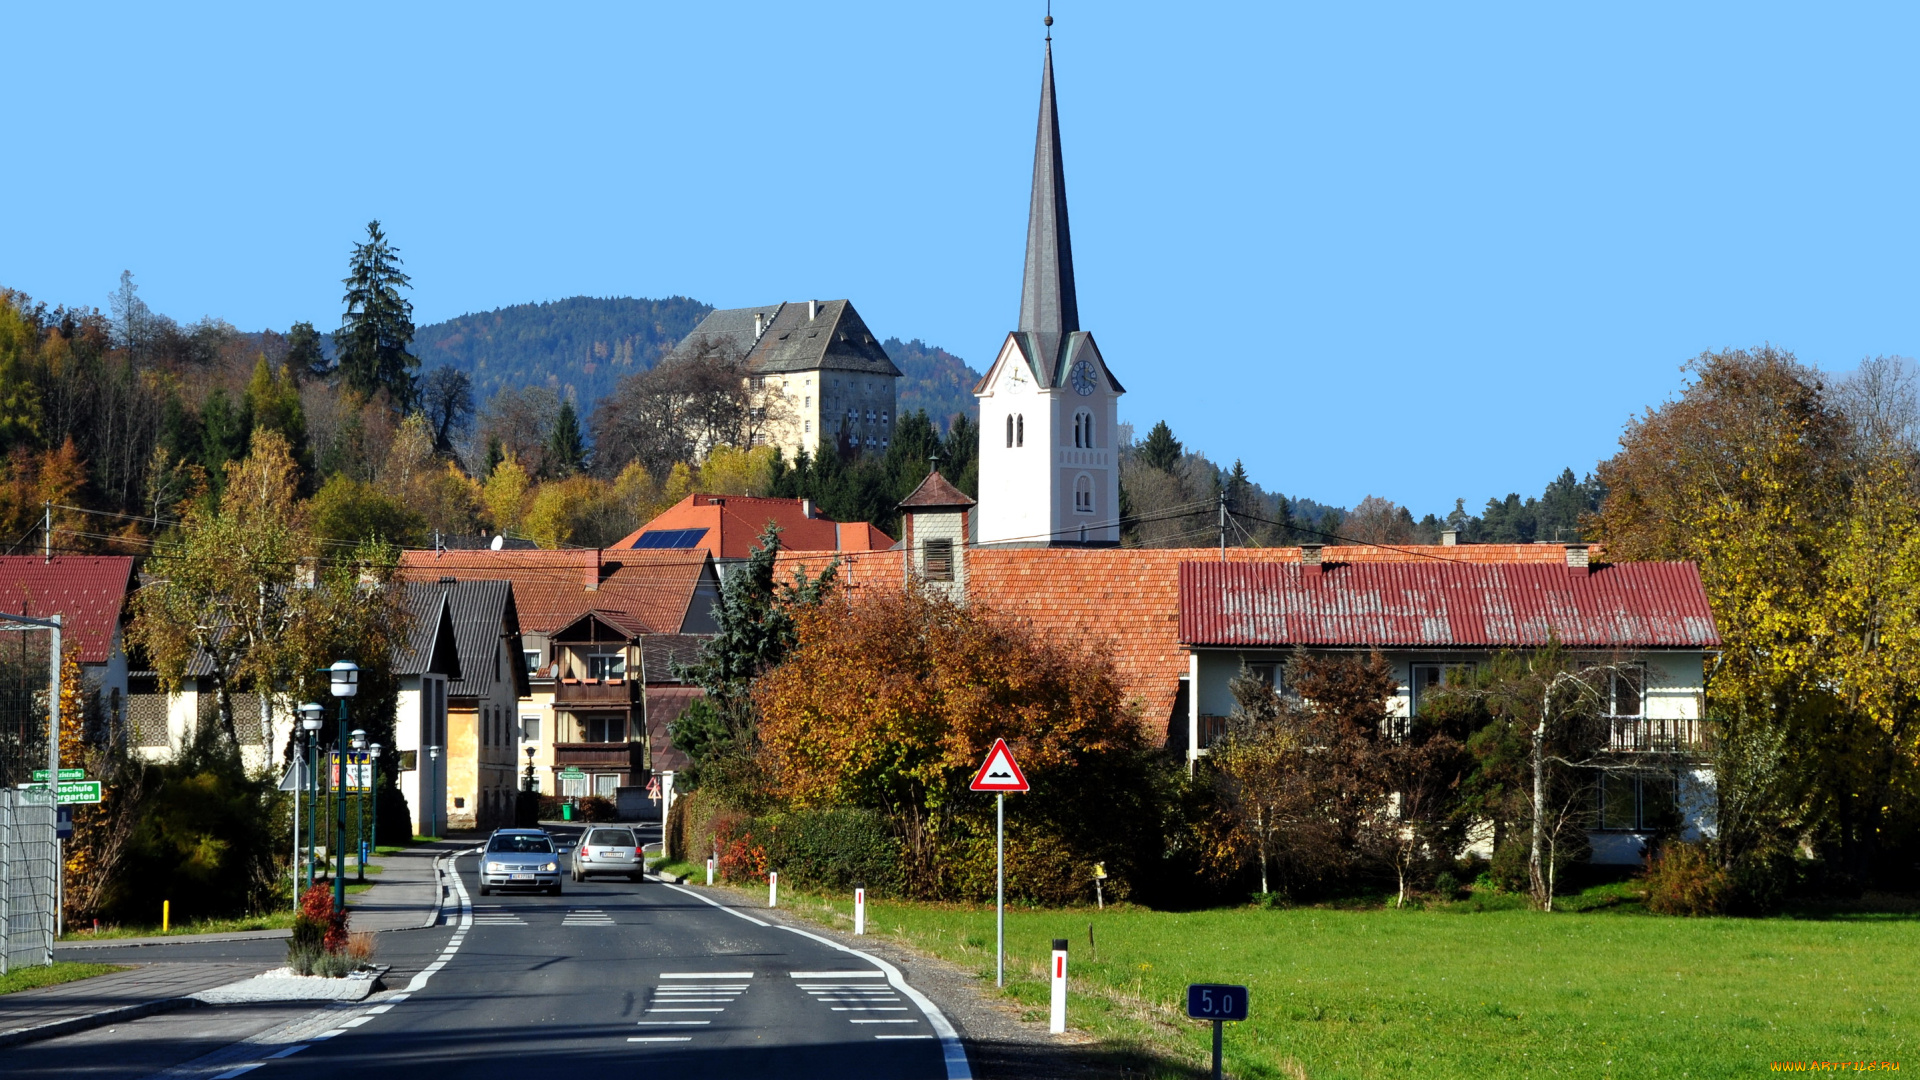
column 999, row 772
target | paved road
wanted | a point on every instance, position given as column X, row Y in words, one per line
column 622, row 976
column 610, row 974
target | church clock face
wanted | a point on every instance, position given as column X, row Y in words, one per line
column 1082, row 378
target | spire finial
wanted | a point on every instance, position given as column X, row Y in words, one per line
column 1049, row 21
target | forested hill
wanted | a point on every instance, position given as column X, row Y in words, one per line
column 585, row 345
column 934, row 380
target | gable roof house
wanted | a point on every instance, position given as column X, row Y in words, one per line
column 816, row 374
column 482, row 720
column 727, row 527
column 584, row 616
column 89, row 593
column 423, row 666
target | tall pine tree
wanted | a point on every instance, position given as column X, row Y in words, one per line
column 378, row 325
column 1161, row 450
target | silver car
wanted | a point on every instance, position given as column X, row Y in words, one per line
column 520, row 859
column 609, row 851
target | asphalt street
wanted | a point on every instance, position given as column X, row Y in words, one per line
column 609, row 975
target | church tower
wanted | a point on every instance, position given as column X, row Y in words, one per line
column 1049, row 468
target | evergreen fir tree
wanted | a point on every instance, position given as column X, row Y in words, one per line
column 378, row 325
column 304, row 356
column 1161, row 450
column 566, row 450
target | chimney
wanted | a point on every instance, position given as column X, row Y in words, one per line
column 759, row 325
column 1449, row 537
column 1577, row 558
column 806, row 509
column 590, row 573
column 813, row 310
column 1310, row 557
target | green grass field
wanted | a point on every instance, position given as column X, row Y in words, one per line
column 29, row 978
column 1484, row 989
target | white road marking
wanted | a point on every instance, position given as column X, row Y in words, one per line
column 707, row 974
column 330, row 1033
column 903, row 1036
column 674, row 1023
column 231, row 1073
column 855, row 1020
column 357, row 1021
column 289, row 1051
column 869, row 1008
column 660, row 1038
column 685, row 1010
column 837, row 974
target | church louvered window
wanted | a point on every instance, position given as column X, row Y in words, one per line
column 1020, row 429
column 1009, row 431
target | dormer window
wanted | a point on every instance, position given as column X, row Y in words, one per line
column 607, row 666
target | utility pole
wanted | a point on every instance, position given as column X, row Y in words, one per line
column 46, row 531
column 1223, row 524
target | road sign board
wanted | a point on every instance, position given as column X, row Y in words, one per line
column 356, row 777
column 999, row 772
column 653, row 789
column 71, row 791
column 571, row 773
column 40, row 775
column 296, row 778
column 1215, row 1001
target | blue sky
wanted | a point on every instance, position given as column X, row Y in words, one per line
column 1397, row 250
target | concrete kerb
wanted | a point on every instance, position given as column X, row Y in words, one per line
column 53, row 1029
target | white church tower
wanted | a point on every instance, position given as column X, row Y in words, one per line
column 1049, row 472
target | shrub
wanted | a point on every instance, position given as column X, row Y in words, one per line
column 1508, row 869
column 319, row 931
column 833, row 849
column 595, row 808
column 739, row 854
column 1447, row 885
column 1683, row 879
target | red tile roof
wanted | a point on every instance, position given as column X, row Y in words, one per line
column 731, row 524
column 652, row 589
column 935, row 492
column 664, row 705
column 1631, row 605
column 89, row 592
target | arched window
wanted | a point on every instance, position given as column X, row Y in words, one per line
column 1083, row 430
column 1009, row 431
column 1083, row 494
column 1020, row 429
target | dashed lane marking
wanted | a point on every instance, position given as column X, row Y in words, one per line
column 659, row 1038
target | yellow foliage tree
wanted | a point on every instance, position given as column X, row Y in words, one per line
column 505, row 495
column 729, row 470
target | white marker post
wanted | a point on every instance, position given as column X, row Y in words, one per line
column 773, row 887
column 709, row 869
column 999, row 774
column 1057, row 1023
column 859, row 911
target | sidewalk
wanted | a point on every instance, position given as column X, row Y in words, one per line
column 407, row 893
column 30, row 1015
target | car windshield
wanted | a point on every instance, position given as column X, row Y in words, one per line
column 610, row 838
column 521, row 845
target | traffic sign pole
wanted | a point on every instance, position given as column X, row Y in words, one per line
column 1000, row 890
column 1217, row 1026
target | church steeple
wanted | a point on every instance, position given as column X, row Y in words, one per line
column 1047, row 303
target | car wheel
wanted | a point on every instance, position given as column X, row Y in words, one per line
column 556, row 888
column 484, row 890
column 577, row 877
column 637, row 878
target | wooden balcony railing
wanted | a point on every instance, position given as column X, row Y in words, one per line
column 630, row 756
column 613, row 693
column 1644, row 735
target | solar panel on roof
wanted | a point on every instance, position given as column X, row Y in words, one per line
column 670, row 538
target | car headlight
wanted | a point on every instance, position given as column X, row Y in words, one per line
column 552, row 866
column 496, row 868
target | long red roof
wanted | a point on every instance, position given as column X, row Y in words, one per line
column 1439, row 604
column 653, row 589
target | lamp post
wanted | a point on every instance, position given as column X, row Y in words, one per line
column 373, row 783
column 358, row 741
column 433, row 800
column 310, row 720
column 344, row 681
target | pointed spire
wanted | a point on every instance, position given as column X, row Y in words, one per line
column 1047, row 303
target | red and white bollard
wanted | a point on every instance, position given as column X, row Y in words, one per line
column 859, row 911
column 1058, row 1022
column 773, row 888
column 709, row 869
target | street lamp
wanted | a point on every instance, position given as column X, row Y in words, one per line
column 358, row 741
column 373, row 777
column 433, row 801
column 310, row 721
column 344, row 681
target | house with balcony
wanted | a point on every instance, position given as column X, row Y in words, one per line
column 1647, row 624
column 585, row 619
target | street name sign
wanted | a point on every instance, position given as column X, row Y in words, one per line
column 71, row 791
column 572, row 773
column 999, row 772
column 40, row 775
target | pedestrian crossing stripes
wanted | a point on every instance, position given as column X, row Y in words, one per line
column 497, row 915
column 586, row 917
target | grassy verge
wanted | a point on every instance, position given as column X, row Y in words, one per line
column 273, row 920
column 1480, row 987
column 28, row 978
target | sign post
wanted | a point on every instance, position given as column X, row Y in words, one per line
column 859, row 911
column 1218, row 1003
column 1057, row 1019
column 999, row 774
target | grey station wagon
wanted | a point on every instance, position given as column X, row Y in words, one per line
column 609, row 851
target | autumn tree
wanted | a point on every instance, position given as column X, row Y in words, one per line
column 891, row 698
column 246, row 589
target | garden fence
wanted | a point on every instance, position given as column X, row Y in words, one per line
column 29, row 862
